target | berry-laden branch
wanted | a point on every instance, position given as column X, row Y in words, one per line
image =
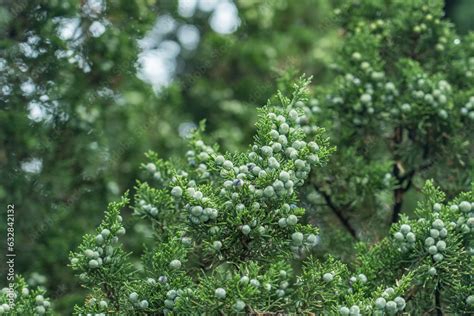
column 23, row 300
column 436, row 245
column 397, row 107
column 231, row 238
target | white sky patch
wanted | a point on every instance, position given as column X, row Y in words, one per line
column 6, row 90
column 188, row 36
column 68, row 28
column 34, row 165
column 186, row 8
column 37, row 112
column 207, row 5
column 164, row 24
column 28, row 50
column 157, row 68
column 94, row 8
column 169, row 48
column 157, row 61
column 33, row 40
column 28, row 87
column 97, row 29
column 225, row 18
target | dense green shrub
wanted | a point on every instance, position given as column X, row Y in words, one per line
column 74, row 121
column 72, row 140
column 228, row 238
column 20, row 299
column 399, row 112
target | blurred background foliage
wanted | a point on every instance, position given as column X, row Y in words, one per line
column 86, row 87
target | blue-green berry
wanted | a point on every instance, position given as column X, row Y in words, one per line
column 239, row 306
column 93, row 264
column 380, row 303
column 245, row 229
column 244, row 280
column 429, row 241
column 105, row 232
column 217, row 245
column 400, row 301
column 344, row 311
column 438, row 257
column 465, row 206
column 391, row 307
column 438, row 224
column 434, row 233
column 169, row 303
column 255, row 282
column 399, row 236
column 328, row 277
column 292, row 220
column 441, row 245
column 362, row 278
column 177, row 192
column 411, row 237
column 175, row 264
column 432, row 250
column 133, row 296
column 405, row 228
column 297, row 238
column 354, row 310
column 269, row 191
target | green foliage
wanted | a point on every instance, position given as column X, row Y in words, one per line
column 230, row 238
column 75, row 118
column 230, row 75
column 398, row 111
column 253, row 230
column 85, row 126
column 22, row 300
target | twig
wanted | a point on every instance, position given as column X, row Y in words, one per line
column 338, row 212
column 399, row 191
column 439, row 311
column 408, row 177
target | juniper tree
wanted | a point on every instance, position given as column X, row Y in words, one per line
column 192, row 267
column 75, row 105
column 400, row 111
column 229, row 238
